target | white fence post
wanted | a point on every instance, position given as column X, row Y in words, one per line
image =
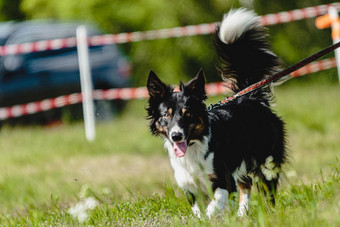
column 333, row 14
column 86, row 83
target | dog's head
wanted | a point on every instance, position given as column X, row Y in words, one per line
column 178, row 116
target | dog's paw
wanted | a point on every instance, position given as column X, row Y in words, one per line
column 211, row 209
column 196, row 210
column 242, row 211
column 219, row 202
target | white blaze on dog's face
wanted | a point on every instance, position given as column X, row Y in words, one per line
column 177, row 137
column 177, row 123
column 179, row 117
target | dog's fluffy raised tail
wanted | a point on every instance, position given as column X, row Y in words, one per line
column 243, row 49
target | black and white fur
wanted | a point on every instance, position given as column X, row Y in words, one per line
column 229, row 144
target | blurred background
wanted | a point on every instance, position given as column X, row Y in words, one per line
column 38, row 163
column 33, row 77
column 178, row 58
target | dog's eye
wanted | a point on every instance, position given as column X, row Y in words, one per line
column 187, row 114
column 166, row 115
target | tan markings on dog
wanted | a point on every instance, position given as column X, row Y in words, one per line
column 244, row 187
column 212, row 177
column 183, row 111
column 170, row 111
column 244, row 195
column 199, row 128
column 161, row 129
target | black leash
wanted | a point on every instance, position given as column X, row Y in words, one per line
column 275, row 77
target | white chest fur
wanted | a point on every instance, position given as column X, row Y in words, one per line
column 192, row 170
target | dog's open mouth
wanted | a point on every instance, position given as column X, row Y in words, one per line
column 180, row 148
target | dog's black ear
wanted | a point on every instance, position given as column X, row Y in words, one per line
column 155, row 86
column 196, row 86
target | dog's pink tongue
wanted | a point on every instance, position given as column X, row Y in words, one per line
column 180, row 148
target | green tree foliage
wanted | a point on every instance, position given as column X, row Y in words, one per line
column 9, row 10
column 176, row 58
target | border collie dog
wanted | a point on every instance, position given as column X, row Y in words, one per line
column 226, row 148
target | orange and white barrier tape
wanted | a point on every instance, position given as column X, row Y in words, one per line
column 315, row 67
column 110, row 94
column 192, row 30
column 298, row 14
column 131, row 93
column 39, row 106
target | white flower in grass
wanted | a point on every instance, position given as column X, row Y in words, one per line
column 82, row 217
column 79, row 211
column 90, row 203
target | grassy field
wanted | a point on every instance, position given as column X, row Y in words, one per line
column 53, row 176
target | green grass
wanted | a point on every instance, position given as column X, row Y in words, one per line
column 46, row 171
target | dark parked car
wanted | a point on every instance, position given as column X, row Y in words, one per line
column 46, row 74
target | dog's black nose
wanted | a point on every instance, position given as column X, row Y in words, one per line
column 176, row 136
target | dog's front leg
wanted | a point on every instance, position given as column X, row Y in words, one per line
column 219, row 202
column 194, row 205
